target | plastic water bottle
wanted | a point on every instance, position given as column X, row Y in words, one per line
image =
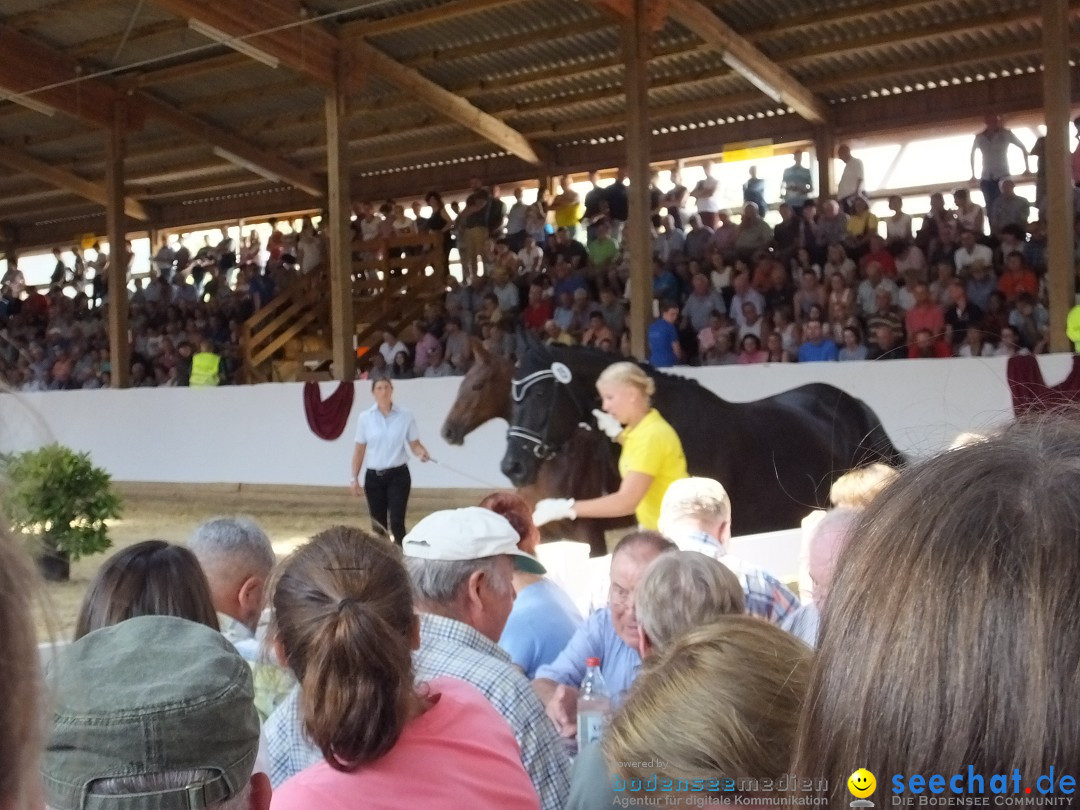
column 593, row 705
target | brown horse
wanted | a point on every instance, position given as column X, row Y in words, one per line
column 586, row 469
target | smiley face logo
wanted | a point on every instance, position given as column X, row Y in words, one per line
column 861, row 783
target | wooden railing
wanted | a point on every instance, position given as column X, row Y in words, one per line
column 298, row 307
column 392, row 280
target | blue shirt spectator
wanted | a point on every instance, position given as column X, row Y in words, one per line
column 663, row 337
column 665, row 286
column 540, row 626
column 597, row 638
column 816, row 348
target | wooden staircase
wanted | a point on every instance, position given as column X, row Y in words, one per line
column 392, row 282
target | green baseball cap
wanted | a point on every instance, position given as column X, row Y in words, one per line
column 151, row 695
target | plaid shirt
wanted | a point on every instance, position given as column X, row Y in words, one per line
column 450, row 648
column 765, row 595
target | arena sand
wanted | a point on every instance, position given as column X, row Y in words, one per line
column 289, row 515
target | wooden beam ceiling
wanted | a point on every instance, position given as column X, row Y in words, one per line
column 309, row 49
column 230, row 19
column 232, row 144
column 29, row 65
column 744, row 57
column 95, row 192
column 427, row 16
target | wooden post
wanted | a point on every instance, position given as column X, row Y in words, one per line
column 116, row 225
column 342, row 323
column 824, row 149
column 1059, row 187
column 636, row 35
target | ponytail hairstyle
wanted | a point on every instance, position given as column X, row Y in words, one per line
column 343, row 614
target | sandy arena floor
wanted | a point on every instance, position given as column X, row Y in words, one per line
column 165, row 512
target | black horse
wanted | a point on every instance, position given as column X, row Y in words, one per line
column 776, row 457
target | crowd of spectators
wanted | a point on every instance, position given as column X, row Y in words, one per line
column 213, row 676
column 188, row 304
column 829, row 281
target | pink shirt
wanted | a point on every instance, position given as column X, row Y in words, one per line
column 460, row 753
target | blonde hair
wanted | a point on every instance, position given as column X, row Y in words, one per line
column 20, row 730
column 720, row 703
column 695, row 498
column 856, row 489
column 683, row 590
column 627, row 373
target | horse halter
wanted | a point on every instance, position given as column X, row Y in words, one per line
column 561, row 377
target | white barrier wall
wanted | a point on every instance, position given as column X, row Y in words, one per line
column 259, row 435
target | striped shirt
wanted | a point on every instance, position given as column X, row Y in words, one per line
column 765, row 595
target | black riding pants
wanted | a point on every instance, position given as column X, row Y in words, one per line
column 387, row 493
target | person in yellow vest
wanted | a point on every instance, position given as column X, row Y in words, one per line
column 205, row 366
column 652, row 455
column 1072, row 327
column 568, row 207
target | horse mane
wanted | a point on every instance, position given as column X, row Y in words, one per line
column 558, row 352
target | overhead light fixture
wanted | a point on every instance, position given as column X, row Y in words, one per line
column 240, row 45
column 244, row 163
column 30, row 103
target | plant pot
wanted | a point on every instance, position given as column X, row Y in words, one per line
column 54, row 566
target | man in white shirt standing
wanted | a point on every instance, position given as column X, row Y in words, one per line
column 994, row 143
column 853, row 179
column 382, row 433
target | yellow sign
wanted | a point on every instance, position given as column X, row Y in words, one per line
column 87, row 241
column 748, row 150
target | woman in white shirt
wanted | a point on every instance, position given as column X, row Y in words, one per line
column 898, row 226
column 383, row 431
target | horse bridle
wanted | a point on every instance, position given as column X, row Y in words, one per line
column 560, row 377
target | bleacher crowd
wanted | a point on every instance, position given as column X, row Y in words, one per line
column 829, row 281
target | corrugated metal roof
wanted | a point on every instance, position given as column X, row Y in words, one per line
column 552, row 69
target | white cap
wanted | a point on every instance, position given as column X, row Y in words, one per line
column 470, row 533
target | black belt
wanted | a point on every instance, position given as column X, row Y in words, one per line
column 388, row 470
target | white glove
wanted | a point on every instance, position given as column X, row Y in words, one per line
column 607, row 423
column 551, row 509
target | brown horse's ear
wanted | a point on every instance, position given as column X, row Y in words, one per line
column 479, row 352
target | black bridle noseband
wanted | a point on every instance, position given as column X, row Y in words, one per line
column 560, row 377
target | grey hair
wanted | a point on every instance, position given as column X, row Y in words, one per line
column 230, row 541
column 169, row 780
column 439, row 582
column 699, row 499
column 683, row 590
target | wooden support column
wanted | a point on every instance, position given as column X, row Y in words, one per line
column 116, row 225
column 636, row 36
column 1059, row 186
column 824, row 149
column 342, row 323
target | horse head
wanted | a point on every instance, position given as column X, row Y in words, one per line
column 484, row 394
column 550, row 399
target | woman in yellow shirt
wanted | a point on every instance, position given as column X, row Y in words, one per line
column 652, row 455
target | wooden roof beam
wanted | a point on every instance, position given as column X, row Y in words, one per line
column 233, row 146
column 444, row 102
column 427, row 16
column 744, row 57
column 307, row 48
column 30, row 64
column 95, row 192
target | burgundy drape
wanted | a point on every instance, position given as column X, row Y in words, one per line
column 327, row 417
column 1031, row 394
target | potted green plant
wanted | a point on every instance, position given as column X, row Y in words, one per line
column 60, row 502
